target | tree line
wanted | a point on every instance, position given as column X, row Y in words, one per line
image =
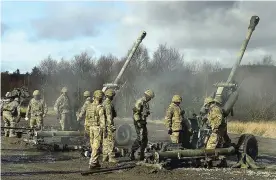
column 166, row 73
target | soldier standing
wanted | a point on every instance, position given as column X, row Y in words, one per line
column 140, row 113
column 109, row 141
column 88, row 100
column 38, row 109
column 96, row 120
column 176, row 123
column 11, row 112
column 218, row 125
column 63, row 109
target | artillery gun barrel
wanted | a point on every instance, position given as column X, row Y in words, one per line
column 16, row 128
column 253, row 23
column 58, row 133
column 177, row 154
column 133, row 50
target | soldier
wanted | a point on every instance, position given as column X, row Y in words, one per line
column 88, row 100
column 38, row 109
column 96, row 120
column 11, row 114
column 218, row 124
column 108, row 142
column 140, row 114
column 63, row 109
column 176, row 123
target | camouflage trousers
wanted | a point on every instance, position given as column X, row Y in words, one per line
column 141, row 140
column 36, row 121
column 180, row 137
column 9, row 121
column 108, row 146
column 95, row 143
column 218, row 137
column 177, row 137
column 65, row 121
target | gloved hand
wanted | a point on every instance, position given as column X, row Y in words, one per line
column 113, row 129
column 170, row 131
column 43, row 115
column 26, row 118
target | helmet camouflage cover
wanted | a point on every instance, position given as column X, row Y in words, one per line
column 149, row 93
column 109, row 92
column 207, row 100
column 86, row 93
column 36, row 93
column 177, row 99
column 98, row 94
column 64, row 90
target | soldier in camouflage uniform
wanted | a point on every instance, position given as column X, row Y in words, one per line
column 37, row 109
column 63, row 109
column 218, row 124
column 88, row 100
column 140, row 113
column 108, row 142
column 11, row 113
column 175, row 122
column 96, row 120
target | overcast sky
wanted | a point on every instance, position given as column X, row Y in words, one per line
column 31, row 31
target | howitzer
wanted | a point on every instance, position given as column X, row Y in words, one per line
column 227, row 91
column 115, row 85
column 20, row 131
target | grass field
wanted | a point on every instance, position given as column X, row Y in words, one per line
column 261, row 128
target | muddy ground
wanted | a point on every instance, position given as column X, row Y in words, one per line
column 21, row 161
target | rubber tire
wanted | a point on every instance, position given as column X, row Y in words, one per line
column 248, row 144
column 123, row 135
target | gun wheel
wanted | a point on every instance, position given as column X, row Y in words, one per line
column 123, row 135
column 248, row 144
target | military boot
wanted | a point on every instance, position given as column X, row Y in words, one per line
column 112, row 160
column 105, row 158
column 94, row 166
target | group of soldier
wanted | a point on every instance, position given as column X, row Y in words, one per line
column 98, row 113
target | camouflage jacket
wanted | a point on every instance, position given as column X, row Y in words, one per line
column 110, row 112
column 62, row 104
column 215, row 116
column 36, row 108
column 84, row 107
column 174, row 118
column 141, row 110
column 12, row 107
column 95, row 115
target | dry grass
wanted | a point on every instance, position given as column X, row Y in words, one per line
column 261, row 128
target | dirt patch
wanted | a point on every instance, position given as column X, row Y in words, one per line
column 21, row 161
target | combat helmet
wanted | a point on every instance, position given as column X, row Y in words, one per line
column 218, row 100
column 208, row 100
column 176, row 99
column 86, row 93
column 109, row 93
column 64, row 90
column 98, row 94
column 16, row 99
column 36, row 93
column 149, row 93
